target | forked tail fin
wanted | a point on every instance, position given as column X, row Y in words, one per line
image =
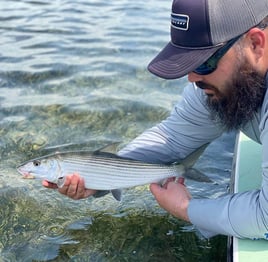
column 191, row 159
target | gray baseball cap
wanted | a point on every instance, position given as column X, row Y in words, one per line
column 199, row 28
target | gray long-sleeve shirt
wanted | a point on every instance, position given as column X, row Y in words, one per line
column 244, row 215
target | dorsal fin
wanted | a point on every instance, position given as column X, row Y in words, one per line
column 111, row 148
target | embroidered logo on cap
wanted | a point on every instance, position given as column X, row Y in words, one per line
column 179, row 21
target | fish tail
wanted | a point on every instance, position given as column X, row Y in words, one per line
column 191, row 159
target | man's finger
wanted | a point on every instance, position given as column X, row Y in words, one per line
column 170, row 179
column 181, row 180
column 48, row 184
column 156, row 189
column 70, row 186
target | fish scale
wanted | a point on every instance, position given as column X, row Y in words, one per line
column 107, row 173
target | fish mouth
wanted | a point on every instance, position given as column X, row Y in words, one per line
column 26, row 175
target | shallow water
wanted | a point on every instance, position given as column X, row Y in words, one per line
column 73, row 76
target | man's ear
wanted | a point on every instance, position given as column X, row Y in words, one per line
column 257, row 40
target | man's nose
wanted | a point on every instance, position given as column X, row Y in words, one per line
column 193, row 77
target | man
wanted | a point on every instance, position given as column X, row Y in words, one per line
column 222, row 45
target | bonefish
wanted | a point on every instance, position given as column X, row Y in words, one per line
column 106, row 171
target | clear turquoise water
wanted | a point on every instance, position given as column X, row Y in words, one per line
column 73, row 76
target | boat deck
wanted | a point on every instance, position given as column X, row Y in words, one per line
column 247, row 176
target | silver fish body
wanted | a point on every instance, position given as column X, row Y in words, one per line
column 103, row 171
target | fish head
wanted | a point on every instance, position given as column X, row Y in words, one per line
column 45, row 168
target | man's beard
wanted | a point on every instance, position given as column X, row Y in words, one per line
column 241, row 99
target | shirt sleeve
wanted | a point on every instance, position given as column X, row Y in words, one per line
column 241, row 215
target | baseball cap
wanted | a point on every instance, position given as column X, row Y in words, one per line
column 199, row 28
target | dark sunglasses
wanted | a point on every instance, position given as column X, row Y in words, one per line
column 211, row 64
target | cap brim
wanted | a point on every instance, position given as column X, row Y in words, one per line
column 174, row 62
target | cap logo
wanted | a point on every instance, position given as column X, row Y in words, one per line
column 180, row 21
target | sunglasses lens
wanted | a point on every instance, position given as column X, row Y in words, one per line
column 206, row 68
column 211, row 64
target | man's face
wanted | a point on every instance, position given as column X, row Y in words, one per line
column 237, row 101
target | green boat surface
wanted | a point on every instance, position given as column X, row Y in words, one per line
column 247, row 176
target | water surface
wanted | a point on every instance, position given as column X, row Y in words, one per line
column 73, row 76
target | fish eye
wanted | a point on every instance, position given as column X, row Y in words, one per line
column 36, row 162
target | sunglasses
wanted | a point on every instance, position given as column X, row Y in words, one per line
column 211, row 64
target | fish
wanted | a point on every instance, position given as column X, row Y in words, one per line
column 105, row 171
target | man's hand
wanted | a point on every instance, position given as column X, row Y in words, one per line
column 74, row 187
column 173, row 197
